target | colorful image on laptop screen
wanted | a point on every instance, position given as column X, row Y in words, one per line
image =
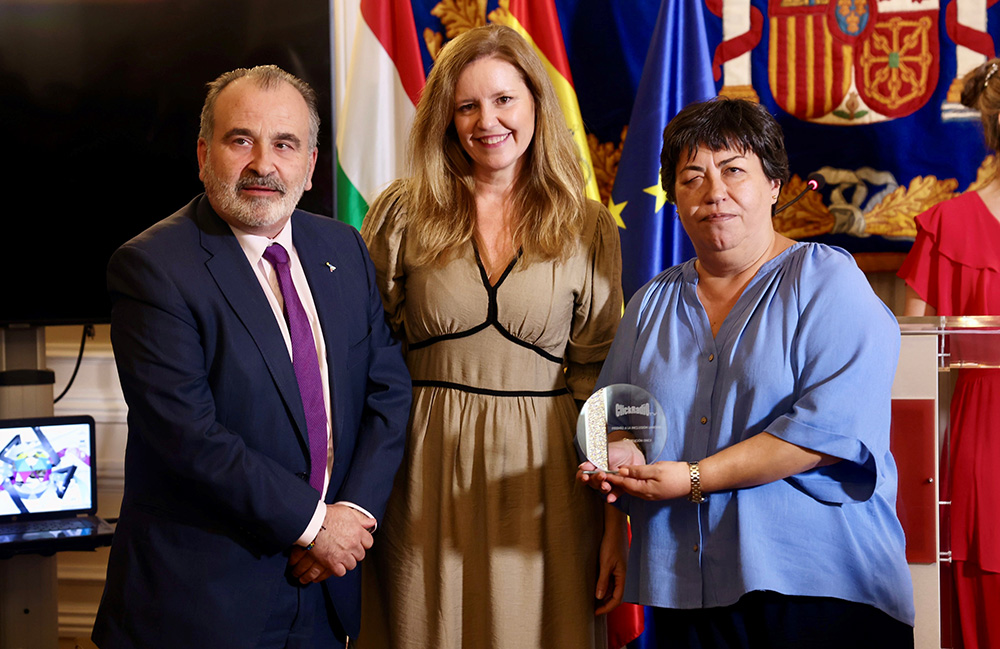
column 45, row 468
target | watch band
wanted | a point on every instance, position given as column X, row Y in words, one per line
column 695, row 496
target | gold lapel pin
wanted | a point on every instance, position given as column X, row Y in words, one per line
column 331, row 267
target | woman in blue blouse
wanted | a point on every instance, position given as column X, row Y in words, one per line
column 769, row 519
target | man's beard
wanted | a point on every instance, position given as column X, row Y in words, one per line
column 252, row 211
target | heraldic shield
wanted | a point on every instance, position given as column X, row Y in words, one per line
column 852, row 61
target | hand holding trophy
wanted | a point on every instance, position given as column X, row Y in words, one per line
column 620, row 425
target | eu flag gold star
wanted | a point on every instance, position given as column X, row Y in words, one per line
column 616, row 211
column 660, row 195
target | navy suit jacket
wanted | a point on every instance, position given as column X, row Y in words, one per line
column 216, row 489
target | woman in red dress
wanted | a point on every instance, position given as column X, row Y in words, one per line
column 954, row 269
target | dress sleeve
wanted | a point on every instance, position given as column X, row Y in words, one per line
column 598, row 305
column 383, row 231
column 844, row 353
column 953, row 265
column 924, row 264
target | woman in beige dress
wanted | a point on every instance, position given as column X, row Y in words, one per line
column 504, row 283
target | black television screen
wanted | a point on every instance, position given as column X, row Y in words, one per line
column 100, row 102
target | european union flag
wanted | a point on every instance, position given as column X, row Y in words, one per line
column 677, row 72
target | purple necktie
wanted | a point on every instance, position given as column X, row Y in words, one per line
column 306, row 365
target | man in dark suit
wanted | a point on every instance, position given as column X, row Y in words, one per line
column 267, row 401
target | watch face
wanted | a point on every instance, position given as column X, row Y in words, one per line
column 621, row 425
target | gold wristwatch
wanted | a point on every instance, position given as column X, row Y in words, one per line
column 695, row 496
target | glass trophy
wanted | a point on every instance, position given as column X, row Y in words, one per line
column 620, row 425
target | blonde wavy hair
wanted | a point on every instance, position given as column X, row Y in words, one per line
column 548, row 197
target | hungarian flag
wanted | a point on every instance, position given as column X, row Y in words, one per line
column 379, row 77
column 538, row 22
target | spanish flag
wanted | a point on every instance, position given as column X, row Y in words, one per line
column 538, row 22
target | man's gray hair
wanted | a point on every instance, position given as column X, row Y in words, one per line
column 267, row 77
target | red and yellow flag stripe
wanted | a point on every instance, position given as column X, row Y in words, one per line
column 538, row 22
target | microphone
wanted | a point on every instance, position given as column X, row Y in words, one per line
column 814, row 182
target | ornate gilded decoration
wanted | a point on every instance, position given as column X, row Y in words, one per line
column 893, row 217
column 459, row 16
column 987, row 172
column 434, row 41
column 809, row 217
column 852, row 108
column 501, row 14
column 809, row 67
column 740, row 92
column 897, row 63
column 852, row 16
column 605, row 157
column 955, row 91
column 851, row 62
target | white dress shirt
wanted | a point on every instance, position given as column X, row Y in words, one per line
column 253, row 247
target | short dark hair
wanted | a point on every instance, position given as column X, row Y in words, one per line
column 723, row 123
column 267, row 77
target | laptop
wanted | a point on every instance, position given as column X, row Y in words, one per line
column 48, row 486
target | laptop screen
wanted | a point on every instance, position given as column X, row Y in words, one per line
column 47, row 467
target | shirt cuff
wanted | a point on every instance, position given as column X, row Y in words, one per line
column 312, row 529
column 363, row 511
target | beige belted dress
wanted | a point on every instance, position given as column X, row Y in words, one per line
column 488, row 540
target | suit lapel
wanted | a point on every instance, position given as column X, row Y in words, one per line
column 318, row 255
column 239, row 285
